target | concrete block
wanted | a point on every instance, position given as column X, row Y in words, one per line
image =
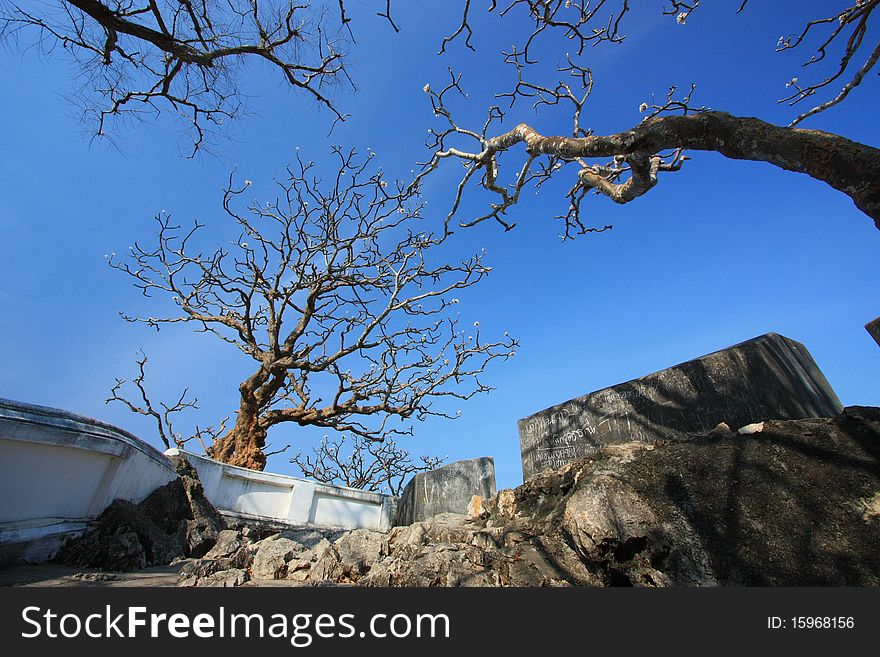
column 768, row 377
column 447, row 489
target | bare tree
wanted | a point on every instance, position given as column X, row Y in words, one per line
column 370, row 465
column 344, row 305
column 639, row 154
column 145, row 56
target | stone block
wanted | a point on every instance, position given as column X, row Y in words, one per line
column 448, row 489
column 873, row 328
column 770, row 377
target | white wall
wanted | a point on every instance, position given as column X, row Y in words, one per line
column 263, row 495
column 59, row 470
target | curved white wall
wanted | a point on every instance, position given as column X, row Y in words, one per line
column 59, row 470
column 248, row 494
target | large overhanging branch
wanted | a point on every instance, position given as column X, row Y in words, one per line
column 848, row 166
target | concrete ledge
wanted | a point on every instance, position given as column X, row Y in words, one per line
column 38, row 540
column 269, row 497
column 59, row 470
column 447, row 489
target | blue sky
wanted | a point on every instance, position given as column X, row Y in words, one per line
column 718, row 253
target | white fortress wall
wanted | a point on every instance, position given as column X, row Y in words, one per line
column 248, row 494
column 59, row 470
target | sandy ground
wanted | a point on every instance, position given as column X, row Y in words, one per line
column 51, row 575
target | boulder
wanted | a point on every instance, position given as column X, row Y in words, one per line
column 447, row 489
column 175, row 521
column 271, row 556
column 212, row 573
column 794, row 504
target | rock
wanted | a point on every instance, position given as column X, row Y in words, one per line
column 795, row 504
column 228, row 543
column 212, row 573
column 204, row 522
column 447, row 489
column 95, row 577
column 173, row 522
column 755, row 427
column 475, row 507
column 721, row 429
column 226, row 578
column 312, row 556
column 869, row 507
column 271, row 556
column 322, row 565
column 358, row 549
column 124, row 539
column 775, row 508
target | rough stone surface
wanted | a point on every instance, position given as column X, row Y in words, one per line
column 204, row 522
column 213, row 573
column 766, row 378
column 448, row 489
column 173, row 522
column 272, row 556
column 796, row 504
column 873, row 328
column 229, row 542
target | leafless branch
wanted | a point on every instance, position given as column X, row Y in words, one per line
column 144, row 57
column 845, row 29
column 587, row 22
column 361, row 463
column 162, row 418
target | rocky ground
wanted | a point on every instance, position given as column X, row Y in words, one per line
column 788, row 503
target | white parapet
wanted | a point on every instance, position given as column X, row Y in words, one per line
column 59, row 470
column 252, row 495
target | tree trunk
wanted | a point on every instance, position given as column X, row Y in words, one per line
column 241, row 446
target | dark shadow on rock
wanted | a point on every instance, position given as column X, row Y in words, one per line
column 783, row 507
column 175, row 521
